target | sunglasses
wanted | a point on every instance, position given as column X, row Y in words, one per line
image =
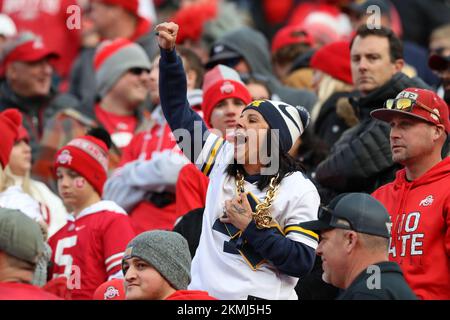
column 138, row 71
column 326, row 214
column 406, row 104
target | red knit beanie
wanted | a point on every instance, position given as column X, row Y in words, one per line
column 88, row 156
column 220, row 83
column 10, row 121
column 129, row 5
column 334, row 59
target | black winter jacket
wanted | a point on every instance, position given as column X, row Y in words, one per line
column 35, row 111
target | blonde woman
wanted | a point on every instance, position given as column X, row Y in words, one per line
column 51, row 206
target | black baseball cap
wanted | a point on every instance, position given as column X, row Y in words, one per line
column 220, row 54
column 353, row 211
column 438, row 62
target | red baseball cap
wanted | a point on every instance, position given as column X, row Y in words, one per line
column 429, row 101
column 110, row 290
column 291, row 34
column 26, row 47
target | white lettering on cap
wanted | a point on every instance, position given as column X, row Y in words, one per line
column 408, row 95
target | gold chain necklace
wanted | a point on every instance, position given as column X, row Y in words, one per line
column 262, row 216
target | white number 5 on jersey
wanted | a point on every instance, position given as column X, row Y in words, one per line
column 64, row 260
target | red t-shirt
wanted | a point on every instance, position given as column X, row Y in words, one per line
column 23, row 291
column 89, row 249
column 121, row 128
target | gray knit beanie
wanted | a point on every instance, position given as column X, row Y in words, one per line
column 167, row 251
column 114, row 58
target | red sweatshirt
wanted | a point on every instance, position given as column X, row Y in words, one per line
column 420, row 242
column 190, row 295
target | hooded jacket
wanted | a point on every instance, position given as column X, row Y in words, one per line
column 254, row 48
column 361, row 160
column 420, row 239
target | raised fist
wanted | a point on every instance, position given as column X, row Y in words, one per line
column 167, row 35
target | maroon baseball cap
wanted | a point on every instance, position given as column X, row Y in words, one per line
column 26, row 47
column 430, row 108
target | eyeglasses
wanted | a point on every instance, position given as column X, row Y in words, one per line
column 406, row 104
column 138, row 71
column 326, row 214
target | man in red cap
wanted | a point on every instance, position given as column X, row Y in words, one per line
column 55, row 21
column 27, row 84
column 111, row 19
column 418, row 200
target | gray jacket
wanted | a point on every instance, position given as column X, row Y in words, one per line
column 253, row 46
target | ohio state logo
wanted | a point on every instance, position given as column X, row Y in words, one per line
column 111, row 293
column 64, row 157
column 427, row 201
column 227, row 88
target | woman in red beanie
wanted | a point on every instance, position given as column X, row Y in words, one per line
column 88, row 250
column 12, row 196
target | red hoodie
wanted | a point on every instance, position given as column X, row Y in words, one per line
column 420, row 242
column 190, row 295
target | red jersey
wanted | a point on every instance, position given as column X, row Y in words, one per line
column 420, row 241
column 24, row 291
column 145, row 215
column 144, row 143
column 88, row 250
